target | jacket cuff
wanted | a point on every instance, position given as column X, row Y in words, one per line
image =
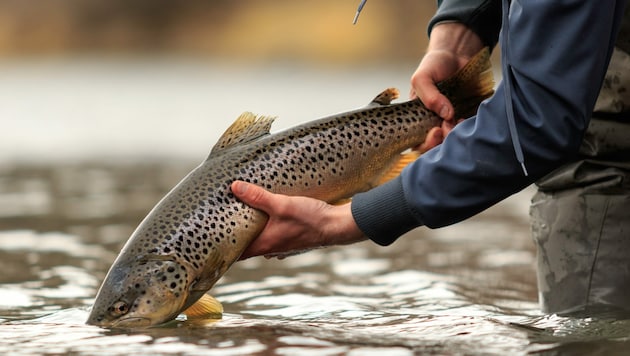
column 383, row 214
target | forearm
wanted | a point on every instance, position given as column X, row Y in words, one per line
column 558, row 55
column 455, row 38
column 483, row 17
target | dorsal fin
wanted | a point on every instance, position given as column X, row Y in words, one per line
column 385, row 97
column 470, row 85
column 247, row 127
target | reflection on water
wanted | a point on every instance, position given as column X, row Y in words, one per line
column 466, row 289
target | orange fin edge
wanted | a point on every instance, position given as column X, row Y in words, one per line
column 207, row 307
column 404, row 160
column 341, row 201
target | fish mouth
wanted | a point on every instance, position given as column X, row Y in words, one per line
column 132, row 322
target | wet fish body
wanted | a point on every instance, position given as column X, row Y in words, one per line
column 198, row 230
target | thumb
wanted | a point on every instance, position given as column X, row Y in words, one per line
column 431, row 97
column 251, row 194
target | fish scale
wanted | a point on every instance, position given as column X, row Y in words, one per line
column 199, row 229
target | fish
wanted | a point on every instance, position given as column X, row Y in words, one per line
column 189, row 240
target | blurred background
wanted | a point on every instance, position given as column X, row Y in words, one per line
column 307, row 31
column 87, row 79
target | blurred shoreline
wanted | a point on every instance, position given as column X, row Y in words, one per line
column 310, row 31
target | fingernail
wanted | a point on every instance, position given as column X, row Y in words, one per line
column 444, row 111
column 239, row 188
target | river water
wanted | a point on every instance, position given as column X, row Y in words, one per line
column 89, row 146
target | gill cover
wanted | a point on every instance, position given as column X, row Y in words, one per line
column 149, row 292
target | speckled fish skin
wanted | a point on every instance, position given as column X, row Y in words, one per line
column 195, row 233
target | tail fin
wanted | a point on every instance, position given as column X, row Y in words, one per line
column 470, row 85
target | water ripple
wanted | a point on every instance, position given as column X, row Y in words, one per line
column 461, row 290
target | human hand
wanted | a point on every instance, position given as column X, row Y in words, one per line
column 451, row 46
column 296, row 224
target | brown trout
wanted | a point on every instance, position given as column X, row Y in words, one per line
column 198, row 230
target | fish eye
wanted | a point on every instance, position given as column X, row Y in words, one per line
column 119, row 308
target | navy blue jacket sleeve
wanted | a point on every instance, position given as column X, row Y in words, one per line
column 481, row 16
column 557, row 55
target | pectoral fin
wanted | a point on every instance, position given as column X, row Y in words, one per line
column 207, row 307
column 341, row 201
column 397, row 167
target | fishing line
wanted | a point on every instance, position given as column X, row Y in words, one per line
column 356, row 16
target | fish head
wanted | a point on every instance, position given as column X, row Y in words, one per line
column 147, row 292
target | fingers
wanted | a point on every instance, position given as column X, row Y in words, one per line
column 435, row 136
column 433, row 68
column 296, row 223
column 425, row 89
column 451, row 45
